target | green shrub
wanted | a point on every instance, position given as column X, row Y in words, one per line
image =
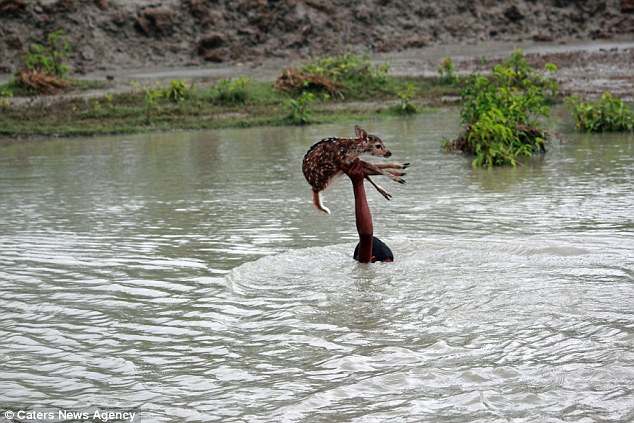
column 49, row 58
column 500, row 113
column 178, row 91
column 347, row 67
column 5, row 96
column 109, row 100
column 446, row 71
column 345, row 75
column 152, row 93
column 496, row 142
column 406, row 95
column 606, row 114
column 300, row 108
column 232, row 91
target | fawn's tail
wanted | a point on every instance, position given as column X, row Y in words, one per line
column 318, row 203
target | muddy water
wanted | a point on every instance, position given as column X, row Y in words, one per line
column 187, row 276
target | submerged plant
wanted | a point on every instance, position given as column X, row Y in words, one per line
column 501, row 112
column 606, row 114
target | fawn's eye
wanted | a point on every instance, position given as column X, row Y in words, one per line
column 378, row 146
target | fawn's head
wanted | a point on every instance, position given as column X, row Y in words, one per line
column 371, row 144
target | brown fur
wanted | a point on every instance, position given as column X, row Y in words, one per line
column 326, row 160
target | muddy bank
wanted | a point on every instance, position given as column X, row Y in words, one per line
column 586, row 68
column 113, row 34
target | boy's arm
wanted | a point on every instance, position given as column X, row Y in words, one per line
column 362, row 212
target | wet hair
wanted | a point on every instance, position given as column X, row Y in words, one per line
column 380, row 251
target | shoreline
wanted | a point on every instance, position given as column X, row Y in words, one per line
column 584, row 68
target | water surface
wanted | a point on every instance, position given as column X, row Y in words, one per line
column 189, row 276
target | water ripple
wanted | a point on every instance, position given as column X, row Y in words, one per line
column 165, row 274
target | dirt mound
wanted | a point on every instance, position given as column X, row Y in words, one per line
column 109, row 34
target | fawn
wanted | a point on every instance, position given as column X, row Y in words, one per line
column 326, row 160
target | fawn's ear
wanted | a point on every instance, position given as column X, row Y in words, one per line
column 360, row 132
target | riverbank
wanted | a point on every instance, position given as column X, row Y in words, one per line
column 123, row 34
column 111, row 102
column 182, row 104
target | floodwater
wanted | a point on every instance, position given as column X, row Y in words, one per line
column 187, row 276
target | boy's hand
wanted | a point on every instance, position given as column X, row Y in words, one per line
column 355, row 171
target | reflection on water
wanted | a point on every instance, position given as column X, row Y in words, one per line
column 188, row 275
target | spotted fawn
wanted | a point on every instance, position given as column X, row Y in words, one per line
column 326, row 160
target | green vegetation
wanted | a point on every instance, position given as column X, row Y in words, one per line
column 354, row 73
column 406, row 95
column 148, row 109
column 5, row 95
column 232, row 91
column 343, row 77
column 44, row 70
column 446, row 71
column 500, row 113
column 360, row 91
column 604, row 115
column 49, row 58
column 300, row 108
column 152, row 95
column 178, row 91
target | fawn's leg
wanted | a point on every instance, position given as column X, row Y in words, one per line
column 372, row 169
column 391, row 165
column 396, row 173
column 383, row 192
column 391, row 168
